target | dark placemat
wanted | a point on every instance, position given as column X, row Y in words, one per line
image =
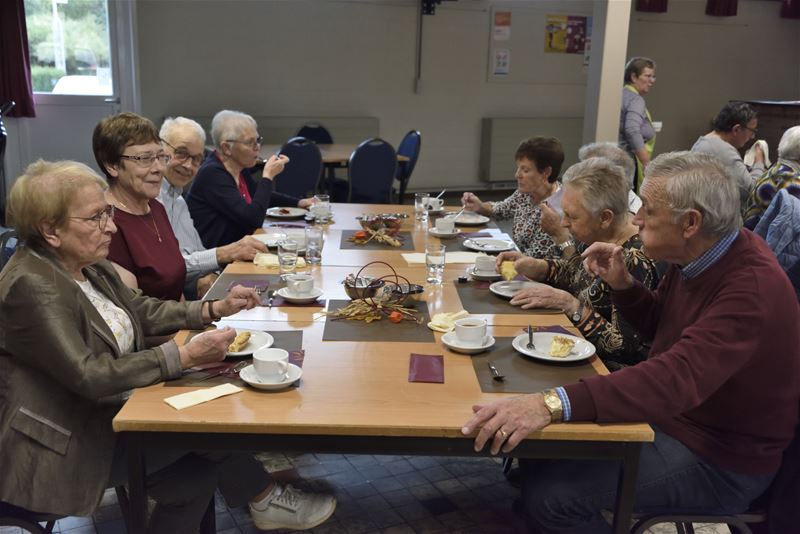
column 477, row 299
column 523, row 374
column 225, row 281
column 346, row 244
column 291, row 340
column 383, row 330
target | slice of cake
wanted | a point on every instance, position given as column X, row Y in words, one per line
column 242, row 338
column 561, row 346
column 507, row 270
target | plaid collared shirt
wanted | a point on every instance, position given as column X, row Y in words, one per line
column 709, row 257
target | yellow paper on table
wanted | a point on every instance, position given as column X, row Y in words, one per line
column 267, row 259
column 445, row 322
column 199, row 396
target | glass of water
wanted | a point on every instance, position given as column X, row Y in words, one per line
column 287, row 256
column 421, row 206
column 321, row 209
column 434, row 262
column 314, row 243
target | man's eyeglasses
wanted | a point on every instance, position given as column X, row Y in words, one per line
column 754, row 131
column 147, row 160
column 181, row 155
column 254, row 143
column 99, row 219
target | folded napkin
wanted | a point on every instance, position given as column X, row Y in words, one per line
column 266, row 259
column 185, row 400
column 426, row 368
column 445, row 322
column 450, row 257
column 750, row 155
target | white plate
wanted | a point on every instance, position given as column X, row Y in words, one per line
column 488, row 244
column 258, row 340
column 471, row 219
column 483, row 275
column 451, row 342
column 313, row 295
column 542, row 340
column 249, row 375
column 271, row 240
column 508, row 289
column 443, row 235
column 286, row 213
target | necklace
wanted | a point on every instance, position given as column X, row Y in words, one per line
column 140, row 217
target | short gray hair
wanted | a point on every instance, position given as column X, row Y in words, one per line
column 699, row 181
column 610, row 151
column 789, row 147
column 602, row 186
column 173, row 123
column 228, row 124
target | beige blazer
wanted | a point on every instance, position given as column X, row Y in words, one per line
column 62, row 379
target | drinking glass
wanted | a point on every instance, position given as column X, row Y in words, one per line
column 287, row 256
column 314, row 243
column 434, row 262
column 421, row 206
column 321, row 209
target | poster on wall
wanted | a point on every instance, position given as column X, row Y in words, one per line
column 502, row 61
column 502, row 26
column 565, row 34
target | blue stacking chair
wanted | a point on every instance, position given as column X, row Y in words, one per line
column 409, row 147
column 301, row 175
column 371, row 172
column 8, row 245
column 316, row 133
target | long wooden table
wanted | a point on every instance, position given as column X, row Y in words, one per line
column 337, row 154
column 355, row 397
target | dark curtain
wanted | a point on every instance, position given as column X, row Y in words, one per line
column 652, row 6
column 721, row 8
column 15, row 62
column 790, row 9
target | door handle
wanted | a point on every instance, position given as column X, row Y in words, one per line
column 111, row 100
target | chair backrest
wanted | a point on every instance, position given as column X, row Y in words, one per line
column 316, row 133
column 301, row 175
column 371, row 172
column 409, row 147
column 8, row 245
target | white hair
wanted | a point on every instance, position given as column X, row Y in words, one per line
column 173, row 123
column 610, row 151
column 229, row 125
column 700, row 182
column 602, row 186
column 789, row 147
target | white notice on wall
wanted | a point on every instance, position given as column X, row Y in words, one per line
column 502, row 26
column 502, row 61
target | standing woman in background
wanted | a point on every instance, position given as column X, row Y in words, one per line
column 636, row 132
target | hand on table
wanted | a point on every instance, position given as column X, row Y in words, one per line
column 274, row 166
column 607, row 261
column 507, row 422
column 542, row 296
column 243, row 250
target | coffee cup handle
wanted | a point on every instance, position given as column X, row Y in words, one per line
column 284, row 367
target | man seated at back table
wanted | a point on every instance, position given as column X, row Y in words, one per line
column 721, row 386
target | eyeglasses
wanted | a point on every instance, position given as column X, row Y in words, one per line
column 754, row 131
column 181, row 155
column 147, row 160
column 255, row 143
column 100, row 219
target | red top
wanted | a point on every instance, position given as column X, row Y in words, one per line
column 723, row 375
column 243, row 189
column 158, row 265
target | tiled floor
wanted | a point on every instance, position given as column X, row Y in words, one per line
column 388, row 494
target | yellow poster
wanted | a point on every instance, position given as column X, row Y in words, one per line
column 565, row 34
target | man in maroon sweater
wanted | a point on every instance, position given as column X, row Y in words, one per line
column 721, row 386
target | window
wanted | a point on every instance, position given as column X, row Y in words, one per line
column 69, row 46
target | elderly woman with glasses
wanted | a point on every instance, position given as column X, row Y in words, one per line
column 228, row 199
column 72, row 347
column 595, row 204
column 636, row 133
column 128, row 150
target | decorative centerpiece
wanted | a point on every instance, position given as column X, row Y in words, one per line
column 376, row 298
column 379, row 228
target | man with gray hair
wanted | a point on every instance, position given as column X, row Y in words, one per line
column 617, row 156
column 184, row 140
column 721, row 386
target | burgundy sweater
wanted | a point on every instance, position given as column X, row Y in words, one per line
column 723, row 376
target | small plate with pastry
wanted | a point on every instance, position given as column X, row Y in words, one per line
column 287, row 213
column 554, row 347
column 249, row 341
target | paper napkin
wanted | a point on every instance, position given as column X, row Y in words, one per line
column 185, row 400
column 426, row 368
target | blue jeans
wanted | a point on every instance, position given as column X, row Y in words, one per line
column 568, row 495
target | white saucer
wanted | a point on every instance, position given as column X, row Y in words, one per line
column 249, row 375
column 451, row 342
column 443, row 235
column 483, row 275
column 542, row 340
column 258, row 340
column 311, row 296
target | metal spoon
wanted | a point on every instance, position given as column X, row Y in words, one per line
column 440, row 194
column 495, row 373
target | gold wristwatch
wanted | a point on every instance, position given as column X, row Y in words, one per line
column 553, row 403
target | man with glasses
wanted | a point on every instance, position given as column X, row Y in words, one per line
column 229, row 198
column 184, row 140
column 734, row 127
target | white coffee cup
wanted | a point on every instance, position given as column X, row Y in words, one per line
column 470, row 331
column 485, row 264
column 271, row 364
column 445, row 225
column 435, row 204
column 300, row 284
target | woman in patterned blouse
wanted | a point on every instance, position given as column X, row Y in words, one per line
column 595, row 204
column 537, row 232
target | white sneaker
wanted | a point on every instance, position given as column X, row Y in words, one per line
column 293, row 509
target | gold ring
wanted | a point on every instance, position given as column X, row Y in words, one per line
column 503, row 433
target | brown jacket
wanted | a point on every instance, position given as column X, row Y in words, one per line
column 62, row 379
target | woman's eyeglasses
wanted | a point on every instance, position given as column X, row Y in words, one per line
column 147, row 160
column 252, row 143
column 99, row 219
column 181, row 155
